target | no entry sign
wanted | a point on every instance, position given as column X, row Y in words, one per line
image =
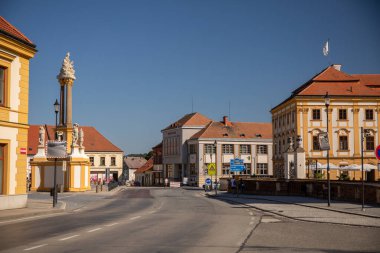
column 377, row 152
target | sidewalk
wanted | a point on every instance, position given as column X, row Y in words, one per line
column 308, row 209
column 42, row 204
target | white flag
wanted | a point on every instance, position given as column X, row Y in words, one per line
column 326, row 48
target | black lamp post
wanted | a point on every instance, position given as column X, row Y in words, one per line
column 327, row 104
column 56, row 110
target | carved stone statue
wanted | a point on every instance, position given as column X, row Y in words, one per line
column 75, row 134
column 290, row 144
column 67, row 69
column 81, row 137
column 41, row 140
column 59, row 135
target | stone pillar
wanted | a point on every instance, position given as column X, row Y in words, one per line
column 69, row 105
column 62, row 106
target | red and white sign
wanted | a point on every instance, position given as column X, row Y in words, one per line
column 23, row 151
column 377, row 152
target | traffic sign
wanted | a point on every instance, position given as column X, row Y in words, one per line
column 211, row 169
column 208, row 181
column 377, row 152
column 237, row 165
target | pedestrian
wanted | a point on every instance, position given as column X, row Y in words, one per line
column 241, row 185
column 233, row 184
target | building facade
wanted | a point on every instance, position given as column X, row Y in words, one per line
column 131, row 164
column 354, row 105
column 174, row 147
column 16, row 50
column 219, row 142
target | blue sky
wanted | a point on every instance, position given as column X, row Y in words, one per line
column 140, row 63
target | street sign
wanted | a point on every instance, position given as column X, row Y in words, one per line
column 377, row 152
column 211, row 169
column 208, row 181
column 237, row 165
column 323, row 139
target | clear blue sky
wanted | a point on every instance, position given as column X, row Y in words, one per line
column 139, row 63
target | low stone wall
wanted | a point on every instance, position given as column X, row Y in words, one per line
column 340, row 190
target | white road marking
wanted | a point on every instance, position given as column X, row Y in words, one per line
column 251, row 223
column 250, row 213
column 113, row 224
column 67, row 238
column 30, row 218
column 93, row 230
column 35, row 247
column 269, row 220
column 133, row 218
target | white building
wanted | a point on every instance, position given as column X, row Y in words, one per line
column 219, row 142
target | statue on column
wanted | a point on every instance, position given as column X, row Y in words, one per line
column 75, row 134
column 81, row 137
column 41, row 140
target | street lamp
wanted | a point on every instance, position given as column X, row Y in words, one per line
column 327, row 104
column 364, row 133
column 56, row 110
column 216, row 171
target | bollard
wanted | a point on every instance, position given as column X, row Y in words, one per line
column 97, row 188
column 101, row 187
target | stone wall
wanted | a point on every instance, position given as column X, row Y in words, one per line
column 340, row 190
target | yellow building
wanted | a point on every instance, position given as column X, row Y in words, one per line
column 15, row 52
column 354, row 105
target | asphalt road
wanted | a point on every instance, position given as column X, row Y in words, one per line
column 178, row 220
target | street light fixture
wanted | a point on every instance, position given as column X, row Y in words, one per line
column 56, row 110
column 327, row 104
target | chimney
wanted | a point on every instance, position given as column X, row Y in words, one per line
column 226, row 122
column 337, row 66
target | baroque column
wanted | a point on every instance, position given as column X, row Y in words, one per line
column 66, row 78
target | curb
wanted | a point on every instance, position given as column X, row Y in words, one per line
column 289, row 217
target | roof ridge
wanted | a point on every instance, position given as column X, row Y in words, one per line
column 14, row 29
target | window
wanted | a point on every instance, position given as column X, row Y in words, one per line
column 2, row 167
column 226, row 169
column 293, row 117
column 227, row 149
column 316, row 143
column 247, row 168
column 316, row 114
column 102, row 161
column 370, row 143
column 342, row 114
column 343, row 143
column 113, row 161
column 2, row 86
column 369, row 114
column 262, row 149
column 245, row 149
column 209, row 149
column 192, row 149
column 262, row 168
column 92, row 160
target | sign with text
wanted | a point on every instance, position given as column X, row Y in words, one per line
column 323, row 139
column 56, row 149
column 237, row 165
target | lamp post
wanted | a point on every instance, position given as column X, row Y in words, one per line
column 216, row 171
column 327, row 104
column 56, row 110
column 364, row 133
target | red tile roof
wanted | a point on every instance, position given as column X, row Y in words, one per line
column 338, row 83
column 236, row 130
column 93, row 140
column 147, row 166
column 8, row 29
column 192, row 119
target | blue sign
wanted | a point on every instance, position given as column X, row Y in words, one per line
column 208, row 181
column 237, row 165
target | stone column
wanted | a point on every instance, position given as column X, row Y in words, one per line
column 69, row 105
column 62, row 105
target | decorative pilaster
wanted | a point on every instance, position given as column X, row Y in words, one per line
column 357, row 147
